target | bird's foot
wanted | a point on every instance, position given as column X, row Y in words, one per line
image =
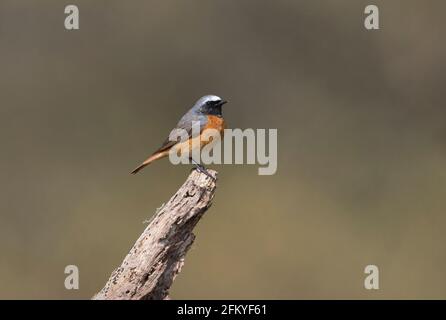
column 202, row 169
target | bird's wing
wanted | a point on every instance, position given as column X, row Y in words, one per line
column 184, row 124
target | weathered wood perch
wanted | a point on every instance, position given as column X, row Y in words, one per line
column 156, row 258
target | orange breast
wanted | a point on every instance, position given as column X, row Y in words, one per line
column 217, row 123
column 214, row 122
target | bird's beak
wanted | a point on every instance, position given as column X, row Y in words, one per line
column 223, row 102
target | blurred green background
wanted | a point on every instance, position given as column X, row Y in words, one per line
column 361, row 134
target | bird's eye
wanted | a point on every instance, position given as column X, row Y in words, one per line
column 213, row 102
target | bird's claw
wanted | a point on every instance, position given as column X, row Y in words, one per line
column 202, row 169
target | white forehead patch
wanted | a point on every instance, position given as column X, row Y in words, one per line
column 203, row 100
column 211, row 98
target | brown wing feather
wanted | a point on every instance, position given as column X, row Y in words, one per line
column 167, row 144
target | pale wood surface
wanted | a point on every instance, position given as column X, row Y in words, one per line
column 156, row 258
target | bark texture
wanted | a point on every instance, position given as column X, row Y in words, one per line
column 156, row 258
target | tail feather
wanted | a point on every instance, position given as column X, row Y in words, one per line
column 149, row 160
column 138, row 168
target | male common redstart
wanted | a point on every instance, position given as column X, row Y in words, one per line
column 207, row 113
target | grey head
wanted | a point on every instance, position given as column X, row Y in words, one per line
column 209, row 105
column 206, row 105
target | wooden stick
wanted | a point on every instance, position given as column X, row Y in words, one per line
column 150, row 267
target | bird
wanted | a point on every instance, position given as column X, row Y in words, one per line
column 207, row 111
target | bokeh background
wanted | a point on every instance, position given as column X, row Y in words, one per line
column 361, row 135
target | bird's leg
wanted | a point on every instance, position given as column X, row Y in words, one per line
column 202, row 169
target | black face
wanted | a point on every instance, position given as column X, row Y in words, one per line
column 213, row 107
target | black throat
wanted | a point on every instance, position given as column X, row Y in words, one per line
column 214, row 111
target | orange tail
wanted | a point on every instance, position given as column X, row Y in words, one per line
column 152, row 158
